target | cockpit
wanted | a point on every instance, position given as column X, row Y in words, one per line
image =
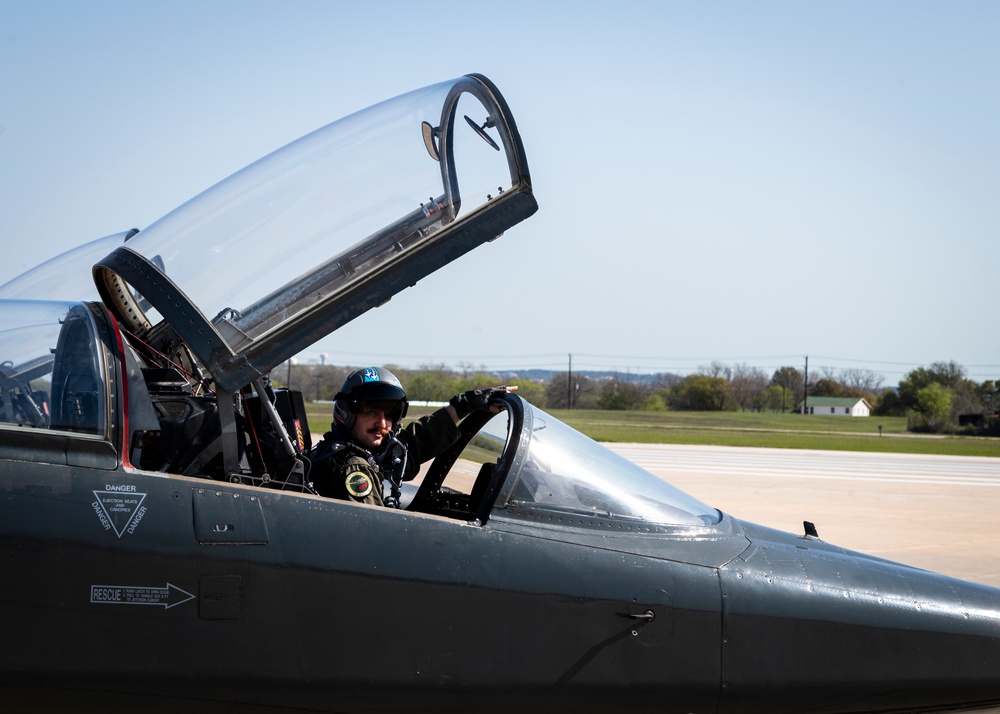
column 64, row 375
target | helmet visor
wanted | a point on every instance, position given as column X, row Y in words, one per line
column 392, row 410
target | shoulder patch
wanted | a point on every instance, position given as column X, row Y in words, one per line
column 359, row 484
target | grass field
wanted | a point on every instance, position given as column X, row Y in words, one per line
column 783, row 431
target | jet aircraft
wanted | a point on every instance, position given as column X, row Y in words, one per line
column 162, row 548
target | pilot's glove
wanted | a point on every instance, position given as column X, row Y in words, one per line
column 474, row 400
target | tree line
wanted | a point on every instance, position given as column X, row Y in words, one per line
column 938, row 398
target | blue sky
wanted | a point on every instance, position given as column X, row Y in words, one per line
column 730, row 181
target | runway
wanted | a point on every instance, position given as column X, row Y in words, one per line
column 940, row 513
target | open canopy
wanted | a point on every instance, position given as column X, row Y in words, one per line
column 282, row 253
column 65, row 276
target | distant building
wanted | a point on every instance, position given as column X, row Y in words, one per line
column 839, row 406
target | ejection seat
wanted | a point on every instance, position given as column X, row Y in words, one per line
column 78, row 399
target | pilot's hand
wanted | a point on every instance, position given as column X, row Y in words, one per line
column 476, row 399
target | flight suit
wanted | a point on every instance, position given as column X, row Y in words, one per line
column 344, row 469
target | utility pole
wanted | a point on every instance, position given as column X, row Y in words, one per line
column 805, row 389
column 569, row 384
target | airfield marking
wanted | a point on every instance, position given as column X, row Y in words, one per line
column 803, row 464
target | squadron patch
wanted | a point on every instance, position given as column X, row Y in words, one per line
column 359, row 484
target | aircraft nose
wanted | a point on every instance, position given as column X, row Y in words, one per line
column 809, row 626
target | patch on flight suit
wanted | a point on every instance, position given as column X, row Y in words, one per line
column 359, row 484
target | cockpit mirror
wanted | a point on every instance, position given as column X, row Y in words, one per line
column 481, row 130
column 430, row 134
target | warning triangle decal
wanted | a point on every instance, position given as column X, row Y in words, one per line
column 118, row 509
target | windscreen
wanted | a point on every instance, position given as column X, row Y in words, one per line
column 568, row 472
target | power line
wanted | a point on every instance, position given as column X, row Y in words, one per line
column 676, row 364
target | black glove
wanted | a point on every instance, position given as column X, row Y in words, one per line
column 474, row 400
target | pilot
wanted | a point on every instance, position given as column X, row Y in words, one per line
column 366, row 444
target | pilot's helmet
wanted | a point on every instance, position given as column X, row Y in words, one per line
column 365, row 386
